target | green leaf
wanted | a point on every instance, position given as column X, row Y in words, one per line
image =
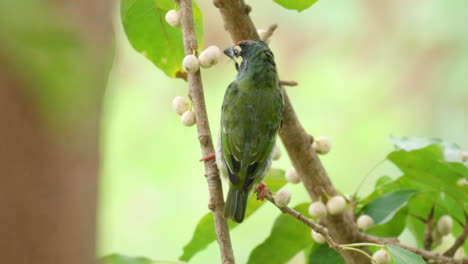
column 288, row 236
column 452, row 151
column 421, row 204
column 386, row 206
column 146, row 28
column 428, row 169
column 324, row 254
column 382, row 180
column 392, row 228
column 121, row 259
column 298, row 5
column 403, row 256
column 204, row 232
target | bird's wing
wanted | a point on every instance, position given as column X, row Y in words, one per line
column 230, row 145
column 247, row 138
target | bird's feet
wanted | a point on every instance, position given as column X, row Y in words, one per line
column 209, row 157
column 261, row 191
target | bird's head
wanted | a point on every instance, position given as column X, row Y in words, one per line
column 245, row 50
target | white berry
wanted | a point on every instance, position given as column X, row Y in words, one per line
column 318, row 209
column 462, row 182
column 444, row 225
column 173, row 18
column 292, row 176
column 190, row 64
column 188, row 118
column 381, row 256
column 180, row 105
column 318, row 237
column 261, row 33
column 209, row 57
column 322, row 145
column 282, row 198
column 276, row 153
column 364, row 222
column 336, row 205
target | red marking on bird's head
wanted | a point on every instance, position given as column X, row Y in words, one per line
column 241, row 41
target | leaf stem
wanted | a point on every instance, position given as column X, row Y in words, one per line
column 360, row 251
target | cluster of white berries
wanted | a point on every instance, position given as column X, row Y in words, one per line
column 322, row 145
column 182, row 107
column 335, row 205
column 444, row 227
column 381, row 256
column 209, row 57
column 191, row 64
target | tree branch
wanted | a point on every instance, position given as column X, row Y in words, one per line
column 288, row 83
column 269, row 32
column 196, row 94
column 297, row 142
column 309, row 222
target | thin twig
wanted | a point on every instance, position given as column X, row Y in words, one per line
column 269, row 32
column 216, row 203
column 309, row 222
column 288, row 83
column 459, row 241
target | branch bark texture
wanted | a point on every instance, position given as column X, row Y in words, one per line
column 342, row 228
column 216, row 203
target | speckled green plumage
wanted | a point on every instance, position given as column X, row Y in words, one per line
column 250, row 119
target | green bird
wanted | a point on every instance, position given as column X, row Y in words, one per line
column 250, row 120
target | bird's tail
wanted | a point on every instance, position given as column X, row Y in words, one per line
column 236, row 204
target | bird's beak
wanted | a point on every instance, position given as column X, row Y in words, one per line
column 230, row 53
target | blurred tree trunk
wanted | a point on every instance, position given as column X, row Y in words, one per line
column 54, row 61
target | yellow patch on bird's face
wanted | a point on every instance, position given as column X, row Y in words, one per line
column 238, row 59
column 237, row 51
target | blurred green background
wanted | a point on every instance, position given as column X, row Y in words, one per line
column 367, row 69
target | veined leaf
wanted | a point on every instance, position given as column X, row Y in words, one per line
column 288, row 236
column 392, row 228
column 324, row 254
column 403, row 256
column 428, row 168
column 205, row 233
column 386, row 206
column 147, row 30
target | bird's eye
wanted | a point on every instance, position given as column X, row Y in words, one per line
column 237, row 50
